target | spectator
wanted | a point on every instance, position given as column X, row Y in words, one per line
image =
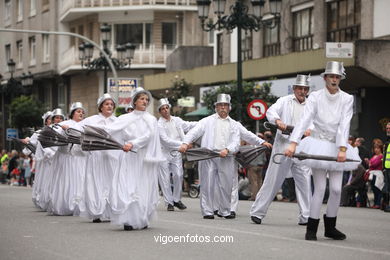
column 364, row 154
column 386, row 170
column 26, row 168
column 356, row 184
column 12, row 165
column 255, row 174
column 375, row 168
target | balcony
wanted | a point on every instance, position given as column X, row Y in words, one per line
column 74, row 9
column 148, row 58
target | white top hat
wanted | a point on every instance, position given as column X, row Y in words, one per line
column 334, row 67
column 162, row 102
column 58, row 112
column 223, row 98
column 104, row 98
column 302, row 80
column 129, row 106
column 46, row 116
column 139, row 90
column 76, row 105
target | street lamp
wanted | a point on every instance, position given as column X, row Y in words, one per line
column 27, row 79
column 125, row 53
column 239, row 18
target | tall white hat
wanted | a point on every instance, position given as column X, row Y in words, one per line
column 302, row 80
column 46, row 116
column 76, row 105
column 162, row 102
column 58, row 112
column 223, row 98
column 334, row 67
column 104, row 98
column 139, row 90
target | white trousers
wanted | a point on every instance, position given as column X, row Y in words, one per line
column 216, row 183
column 275, row 176
column 174, row 166
column 335, row 180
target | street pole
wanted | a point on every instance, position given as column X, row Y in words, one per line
column 105, row 79
column 239, row 74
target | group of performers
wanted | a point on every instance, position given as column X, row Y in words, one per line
column 122, row 185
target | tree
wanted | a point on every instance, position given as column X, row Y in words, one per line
column 180, row 88
column 25, row 111
column 250, row 92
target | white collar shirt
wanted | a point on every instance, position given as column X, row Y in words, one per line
column 222, row 132
column 297, row 109
column 171, row 128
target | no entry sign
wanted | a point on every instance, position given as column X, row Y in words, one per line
column 256, row 109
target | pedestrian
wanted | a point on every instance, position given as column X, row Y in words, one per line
column 134, row 192
column 330, row 111
column 386, row 170
column 172, row 130
column 219, row 132
column 287, row 110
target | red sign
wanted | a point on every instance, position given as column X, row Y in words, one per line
column 256, row 109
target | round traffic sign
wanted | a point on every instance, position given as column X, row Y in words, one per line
column 256, row 109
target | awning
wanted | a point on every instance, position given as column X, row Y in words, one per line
column 201, row 112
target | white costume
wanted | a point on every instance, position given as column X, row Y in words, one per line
column 134, row 194
column 331, row 116
column 171, row 137
column 289, row 111
column 216, row 175
column 99, row 171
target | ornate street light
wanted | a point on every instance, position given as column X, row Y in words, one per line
column 239, row 18
column 125, row 53
column 11, row 67
column 27, row 79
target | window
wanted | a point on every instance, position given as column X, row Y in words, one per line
column 271, row 41
column 72, row 39
column 19, row 48
column 219, row 48
column 211, row 37
column 139, row 34
column 33, row 7
column 7, row 12
column 45, row 5
column 169, row 35
column 7, row 52
column 61, row 95
column 343, row 20
column 32, row 48
column 246, row 45
column 303, row 30
column 19, row 4
column 46, row 48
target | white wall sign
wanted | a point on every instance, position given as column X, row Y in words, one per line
column 339, row 50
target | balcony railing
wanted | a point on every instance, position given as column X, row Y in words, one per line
column 68, row 4
column 346, row 34
column 150, row 56
column 271, row 49
column 303, row 43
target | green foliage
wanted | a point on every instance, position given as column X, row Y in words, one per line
column 120, row 111
column 25, row 111
column 180, row 88
column 250, row 92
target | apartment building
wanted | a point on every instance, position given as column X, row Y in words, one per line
column 298, row 45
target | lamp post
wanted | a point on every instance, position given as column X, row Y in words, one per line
column 239, row 18
column 125, row 53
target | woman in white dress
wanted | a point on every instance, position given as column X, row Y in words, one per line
column 68, row 171
column 134, row 194
column 100, row 165
column 330, row 109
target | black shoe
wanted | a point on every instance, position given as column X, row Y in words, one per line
column 179, row 205
column 231, row 216
column 256, row 220
column 311, row 229
column 208, row 217
column 96, row 220
column 233, row 213
column 215, row 212
column 145, row 227
column 303, row 224
column 127, row 227
column 170, row 207
column 330, row 229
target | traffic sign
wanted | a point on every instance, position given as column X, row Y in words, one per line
column 256, row 109
column 12, row 133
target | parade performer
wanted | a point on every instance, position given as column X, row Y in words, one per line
column 219, row 132
column 330, row 110
column 287, row 110
column 68, row 171
column 100, row 166
column 134, row 194
column 171, row 130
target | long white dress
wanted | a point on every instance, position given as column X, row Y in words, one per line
column 99, row 172
column 134, row 193
column 68, row 178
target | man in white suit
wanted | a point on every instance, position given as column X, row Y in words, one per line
column 171, row 130
column 221, row 133
column 286, row 111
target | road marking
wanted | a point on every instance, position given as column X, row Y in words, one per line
column 363, row 250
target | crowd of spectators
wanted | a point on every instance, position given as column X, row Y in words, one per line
column 17, row 169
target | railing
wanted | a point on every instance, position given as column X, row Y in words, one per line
column 68, row 4
column 151, row 55
column 271, row 49
column 346, row 34
column 303, row 43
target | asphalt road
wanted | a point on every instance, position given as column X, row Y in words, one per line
column 27, row 233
